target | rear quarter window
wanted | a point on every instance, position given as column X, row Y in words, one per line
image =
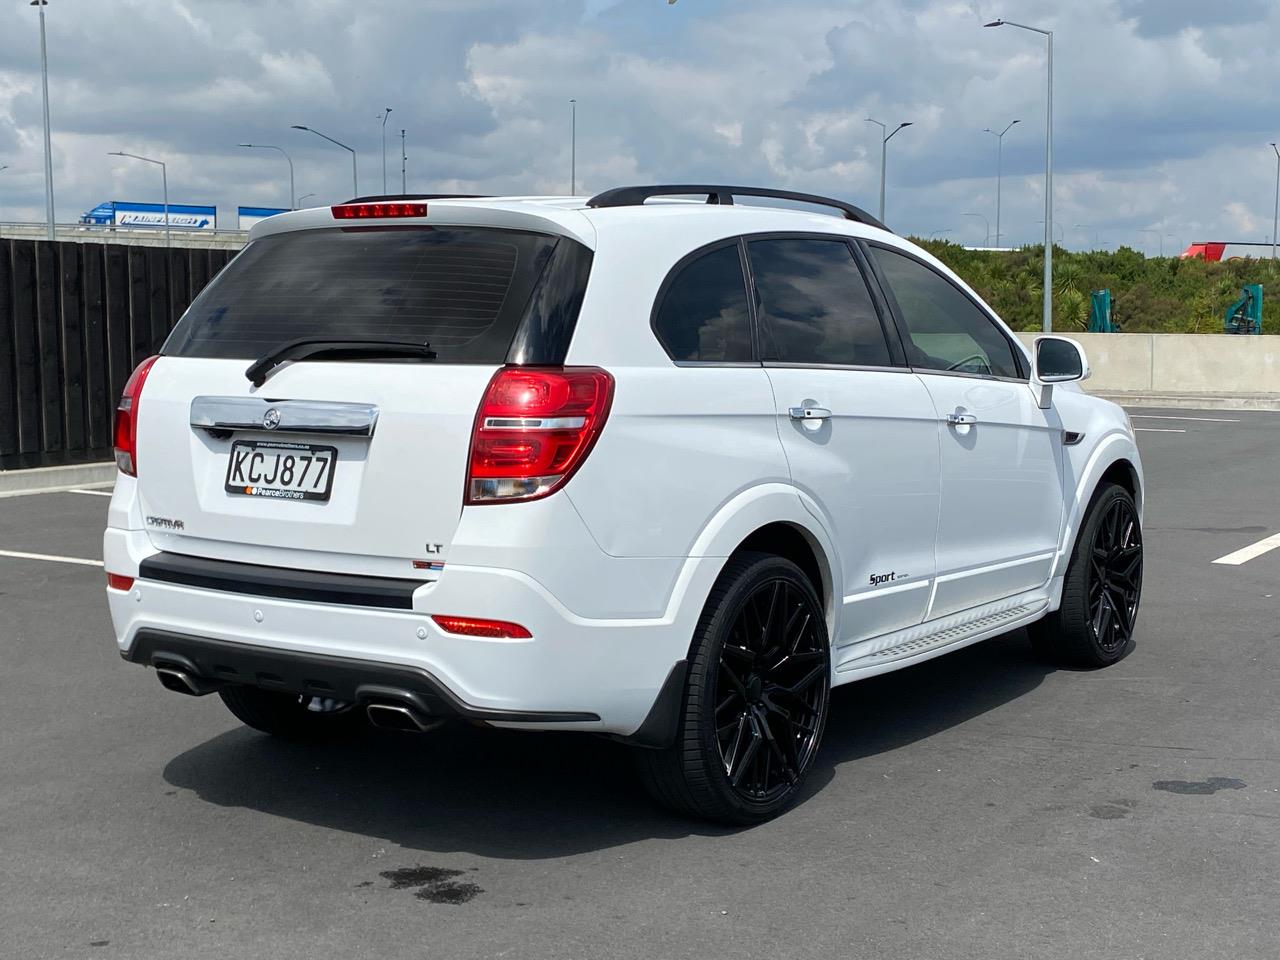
column 702, row 314
column 463, row 290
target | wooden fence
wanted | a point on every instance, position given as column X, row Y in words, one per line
column 75, row 318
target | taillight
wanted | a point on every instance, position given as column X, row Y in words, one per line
column 126, row 430
column 473, row 627
column 362, row 211
column 534, row 428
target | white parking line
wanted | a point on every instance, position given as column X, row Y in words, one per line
column 19, row 555
column 1156, row 430
column 92, row 493
column 1245, row 554
column 1158, row 416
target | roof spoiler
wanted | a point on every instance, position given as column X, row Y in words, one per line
column 400, row 197
column 721, row 194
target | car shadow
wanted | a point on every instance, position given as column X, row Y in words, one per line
column 518, row 795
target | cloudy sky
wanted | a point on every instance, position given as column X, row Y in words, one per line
column 1164, row 108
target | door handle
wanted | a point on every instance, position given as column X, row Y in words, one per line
column 810, row 413
column 961, row 419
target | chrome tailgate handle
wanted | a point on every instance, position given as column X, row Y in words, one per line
column 227, row 414
column 810, row 413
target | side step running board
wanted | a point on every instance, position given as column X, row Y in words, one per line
column 928, row 637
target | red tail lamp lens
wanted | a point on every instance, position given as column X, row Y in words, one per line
column 534, row 428
column 490, row 629
column 126, row 426
column 116, row 581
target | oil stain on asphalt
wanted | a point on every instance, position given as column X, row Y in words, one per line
column 434, row 884
column 1112, row 810
column 1199, row 787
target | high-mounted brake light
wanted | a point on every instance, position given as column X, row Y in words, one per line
column 126, row 426
column 473, row 627
column 534, row 428
column 362, row 211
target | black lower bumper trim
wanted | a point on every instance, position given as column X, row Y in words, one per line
column 279, row 582
column 343, row 678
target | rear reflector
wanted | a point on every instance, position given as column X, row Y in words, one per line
column 362, row 211
column 534, row 428
column 116, row 581
column 492, row 629
column 126, row 426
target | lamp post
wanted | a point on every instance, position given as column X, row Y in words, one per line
column 164, row 179
column 304, row 196
column 987, row 241
column 884, row 154
column 386, row 112
column 355, row 184
column 293, row 203
column 999, row 168
column 48, row 144
column 573, row 147
column 1275, row 217
column 1048, row 170
column 404, row 158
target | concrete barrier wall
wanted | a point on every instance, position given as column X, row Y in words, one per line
column 1174, row 363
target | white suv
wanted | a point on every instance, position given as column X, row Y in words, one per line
column 666, row 471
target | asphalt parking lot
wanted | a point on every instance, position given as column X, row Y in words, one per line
column 978, row 806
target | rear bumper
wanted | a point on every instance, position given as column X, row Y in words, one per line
column 574, row 673
column 215, row 663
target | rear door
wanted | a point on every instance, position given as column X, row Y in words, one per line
column 338, row 462
column 858, row 428
column 1002, row 467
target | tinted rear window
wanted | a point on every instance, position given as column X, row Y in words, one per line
column 463, row 290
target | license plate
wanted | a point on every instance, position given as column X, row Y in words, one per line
column 281, row 470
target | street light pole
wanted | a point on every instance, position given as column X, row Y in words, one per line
column 884, row 154
column 573, row 148
column 1275, row 219
column 386, row 112
column 293, row 203
column 999, row 168
column 987, row 241
column 1048, row 171
column 355, row 184
column 403, row 159
column 164, row 179
column 304, row 196
column 48, row 144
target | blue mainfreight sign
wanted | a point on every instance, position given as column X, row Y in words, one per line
column 124, row 213
column 248, row 216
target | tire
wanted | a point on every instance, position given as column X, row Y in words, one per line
column 1093, row 627
column 757, row 692
column 285, row 715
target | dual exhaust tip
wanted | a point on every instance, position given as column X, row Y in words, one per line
column 382, row 714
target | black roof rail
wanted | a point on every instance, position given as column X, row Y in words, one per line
column 721, row 194
column 400, row 197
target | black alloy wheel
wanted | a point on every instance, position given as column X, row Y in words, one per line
column 1094, row 624
column 771, row 692
column 1115, row 576
column 755, row 698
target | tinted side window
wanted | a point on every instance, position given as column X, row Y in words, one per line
column 703, row 314
column 946, row 330
column 815, row 306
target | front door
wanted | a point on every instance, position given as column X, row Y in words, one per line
column 1001, row 455
column 859, row 429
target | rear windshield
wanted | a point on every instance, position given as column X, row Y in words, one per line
column 463, row 290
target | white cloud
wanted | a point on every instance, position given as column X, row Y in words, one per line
column 1161, row 123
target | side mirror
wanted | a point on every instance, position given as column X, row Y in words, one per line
column 1057, row 360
